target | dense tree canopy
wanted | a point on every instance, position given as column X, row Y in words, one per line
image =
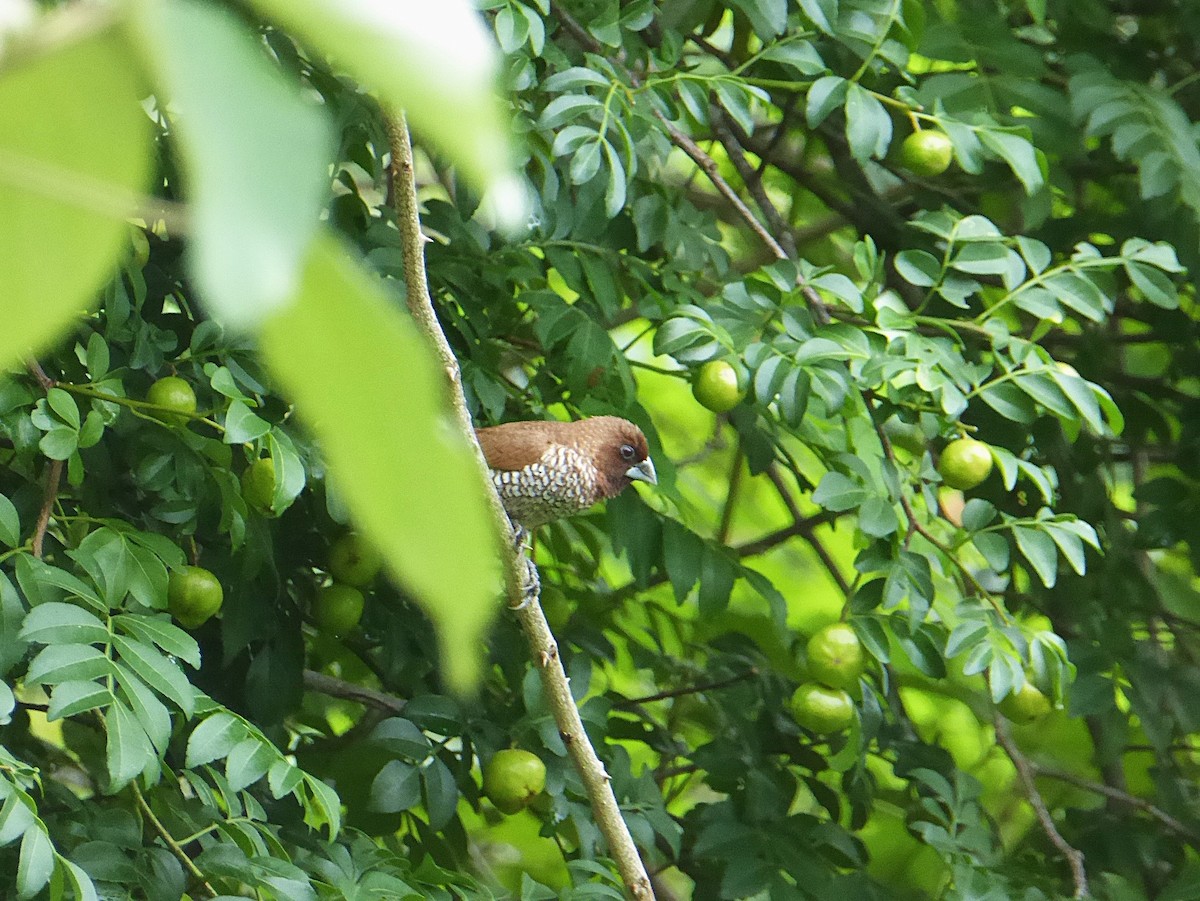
column 898, row 291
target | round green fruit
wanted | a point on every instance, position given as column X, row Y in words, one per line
column 352, row 560
column 822, row 710
column 835, row 656
column 926, row 153
column 513, row 778
column 716, row 386
column 175, row 397
column 1025, row 705
column 193, row 595
column 258, row 485
column 965, row 463
column 337, row 608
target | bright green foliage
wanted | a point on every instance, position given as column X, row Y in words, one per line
column 711, row 180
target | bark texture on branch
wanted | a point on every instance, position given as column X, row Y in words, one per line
column 541, row 641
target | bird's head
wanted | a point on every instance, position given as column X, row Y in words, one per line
column 619, row 453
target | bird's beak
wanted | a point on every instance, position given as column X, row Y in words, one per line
column 643, row 472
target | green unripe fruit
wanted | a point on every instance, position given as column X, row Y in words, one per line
column 354, row 561
column 822, row 710
column 716, row 386
column 1025, row 705
column 258, row 485
column 193, row 595
column 965, row 463
column 176, row 397
column 926, row 153
column 337, row 608
column 513, row 778
column 835, row 656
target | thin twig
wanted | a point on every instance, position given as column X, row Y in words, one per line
column 528, row 610
column 817, row 545
column 1191, row 836
column 731, row 496
column 169, row 841
column 35, row 368
column 753, row 181
column 690, row 689
column 711, row 169
column 53, row 478
column 349, row 691
column 1025, row 772
column 53, row 472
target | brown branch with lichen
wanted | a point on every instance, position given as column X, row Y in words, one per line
column 541, row 641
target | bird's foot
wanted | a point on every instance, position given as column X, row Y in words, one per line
column 520, row 537
column 531, row 585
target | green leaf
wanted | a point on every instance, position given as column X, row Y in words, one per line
column 838, row 493
column 826, row 94
column 1038, row 548
column 36, row 861
column 918, row 267
column 59, row 443
column 59, row 623
column 162, row 632
column 159, row 672
column 323, row 807
column 63, row 192
column 439, row 66
column 877, row 517
column 16, row 816
column 242, row 426
column 414, row 489
column 129, row 750
column 214, row 738
column 441, row 793
column 396, row 787
column 150, row 712
column 71, row 698
column 283, row 778
column 67, row 662
column 256, row 168
column 248, row 762
column 1018, row 153
column 1154, row 285
column 868, row 125
column 81, row 882
column 10, row 523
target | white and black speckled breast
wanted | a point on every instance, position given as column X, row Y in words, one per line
column 563, row 482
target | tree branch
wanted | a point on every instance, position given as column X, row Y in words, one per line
column 349, row 691
column 1115, row 794
column 169, row 840
column 528, row 609
column 1073, row 855
column 53, row 473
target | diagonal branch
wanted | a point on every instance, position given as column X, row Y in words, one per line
column 528, row 610
column 1025, row 772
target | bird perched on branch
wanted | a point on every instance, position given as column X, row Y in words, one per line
column 544, row 471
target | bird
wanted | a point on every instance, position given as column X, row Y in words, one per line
column 544, row 471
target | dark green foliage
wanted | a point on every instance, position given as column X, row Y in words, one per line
column 1033, row 296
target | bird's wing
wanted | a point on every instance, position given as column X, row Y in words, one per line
column 508, row 448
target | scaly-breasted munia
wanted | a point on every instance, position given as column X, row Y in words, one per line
column 547, row 470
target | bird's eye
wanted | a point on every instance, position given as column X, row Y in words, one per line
column 627, row 452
